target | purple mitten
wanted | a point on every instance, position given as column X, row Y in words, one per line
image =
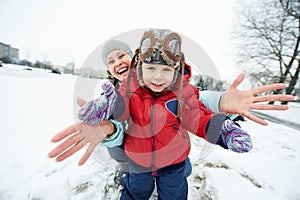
column 101, row 108
column 235, row 138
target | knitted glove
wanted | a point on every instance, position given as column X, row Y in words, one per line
column 235, row 138
column 99, row 109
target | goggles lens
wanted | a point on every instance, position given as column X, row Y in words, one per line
column 174, row 47
column 145, row 45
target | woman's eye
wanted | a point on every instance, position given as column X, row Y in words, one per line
column 121, row 56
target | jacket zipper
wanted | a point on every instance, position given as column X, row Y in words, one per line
column 153, row 167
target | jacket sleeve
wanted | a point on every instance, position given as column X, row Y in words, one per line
column 117, row 138
column 211, row 99
column 122, row 111
column 200, row 121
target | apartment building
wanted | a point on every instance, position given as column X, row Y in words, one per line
column 7, row 51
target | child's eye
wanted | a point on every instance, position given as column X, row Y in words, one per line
column 167, row 69
column 150, row 68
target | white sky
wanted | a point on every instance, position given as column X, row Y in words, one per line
column 62, row 31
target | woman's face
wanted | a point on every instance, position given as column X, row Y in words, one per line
column 118, row 62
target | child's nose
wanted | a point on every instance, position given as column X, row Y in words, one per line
column 158, row 75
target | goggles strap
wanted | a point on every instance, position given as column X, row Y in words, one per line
column 134, row 59
column 179, row 106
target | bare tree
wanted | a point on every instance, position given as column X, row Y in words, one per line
column 267, row 35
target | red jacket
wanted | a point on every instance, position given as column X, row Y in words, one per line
column 155, row 137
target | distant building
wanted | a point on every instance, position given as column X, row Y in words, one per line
column 59, row 68
column 68, row 69
column 77, row 71
column 92, row 73
column 7, row 51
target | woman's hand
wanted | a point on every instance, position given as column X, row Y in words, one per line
column 241, row 101
column 77, row 136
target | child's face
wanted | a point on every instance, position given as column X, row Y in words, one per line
column 157, row 77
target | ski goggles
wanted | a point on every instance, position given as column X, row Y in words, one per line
column 161, row 47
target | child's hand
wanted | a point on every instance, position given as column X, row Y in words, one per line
column 235, row 138
column 237, row 101
column 99, row 109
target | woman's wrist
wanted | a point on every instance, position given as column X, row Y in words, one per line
column 112, row 130
column 108, row 128
column 115, row 139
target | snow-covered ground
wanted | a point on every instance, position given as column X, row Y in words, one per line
column 35, row 105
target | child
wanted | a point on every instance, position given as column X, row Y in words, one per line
column 157, row 141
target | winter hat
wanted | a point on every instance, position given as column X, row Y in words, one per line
column 114, row 45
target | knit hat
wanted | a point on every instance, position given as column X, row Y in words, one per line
column 114, row 45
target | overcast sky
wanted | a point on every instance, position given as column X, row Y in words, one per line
column 64, row 31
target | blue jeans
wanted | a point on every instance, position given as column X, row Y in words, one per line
column 188, row 167
column 171, row 183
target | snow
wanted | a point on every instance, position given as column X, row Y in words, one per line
column 291, row 115
column 36, row 104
